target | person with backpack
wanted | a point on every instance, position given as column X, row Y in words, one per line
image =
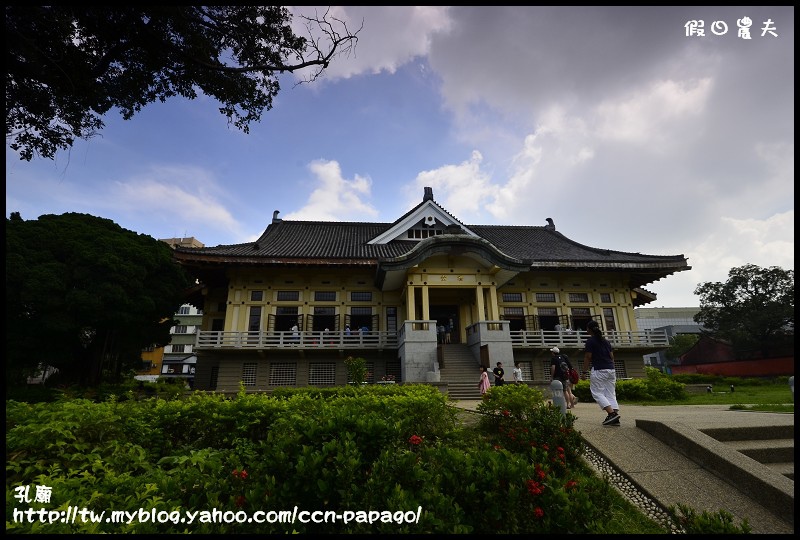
column 559, row 370
column 599, row 355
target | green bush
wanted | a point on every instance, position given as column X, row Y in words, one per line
column 396, row 448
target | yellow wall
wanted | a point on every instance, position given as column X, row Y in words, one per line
column 444, row 284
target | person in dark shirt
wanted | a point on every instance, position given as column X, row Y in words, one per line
column 499, row 373
column 599, row 356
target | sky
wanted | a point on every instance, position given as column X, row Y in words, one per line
column 629, row 134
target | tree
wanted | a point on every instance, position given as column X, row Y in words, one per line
column 67, row 66
column 680, row 344
column 85, row 295
column 753, row 310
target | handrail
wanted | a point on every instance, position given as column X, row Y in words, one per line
column 213, row 339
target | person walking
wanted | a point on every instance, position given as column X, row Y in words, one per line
column 517, row 373
column 483, row 383
column 499, row 373
column 559, row 370
column 599, row 356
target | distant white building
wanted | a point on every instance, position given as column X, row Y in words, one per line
column 674, row 321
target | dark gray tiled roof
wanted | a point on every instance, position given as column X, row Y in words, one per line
column 349, row 240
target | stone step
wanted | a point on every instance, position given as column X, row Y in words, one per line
column 766, row 450
column 786, row 469
column 463, row 391
column 714, row 449
column 750, row 433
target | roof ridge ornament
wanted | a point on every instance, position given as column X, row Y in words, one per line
column 428, row 194
column 550, row 225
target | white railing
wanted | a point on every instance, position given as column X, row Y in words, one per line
column 576, row 339
column 288, row 339
column 390, row 340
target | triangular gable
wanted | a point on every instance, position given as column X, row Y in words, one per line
column 428, row 217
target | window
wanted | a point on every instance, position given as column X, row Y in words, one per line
column 322, row 373
column 148, row 349
column 545, row 297
column 254, row 325
column 391, row 319
column 324, row 318
column 423, row 232
column 183, row 310
column 214, row 378
column 256, row 296
column 579, row 297
column 283, row 374
column 605, row 297
column 527, row 371
column 180, row 329
column 580, row 318
column 361, row 317
column 512, row 297
column 288, row 296
column 608, row 317
column 249, row 373
column 393, row 369
column 178, row 348
column 324, row 296
column 361, row 296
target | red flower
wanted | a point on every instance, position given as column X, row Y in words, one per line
column 534, row 487
column 415, row 439
column 571, row 484
column 243, row 474
column 506, row 413
column 538, row 513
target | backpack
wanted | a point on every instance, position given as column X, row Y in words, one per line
column 563, row 367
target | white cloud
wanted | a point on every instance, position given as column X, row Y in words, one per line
column 653, row 116
column 461, row 189
column 173, row 198
column 336, row 198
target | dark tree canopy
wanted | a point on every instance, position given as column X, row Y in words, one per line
column 85, row 296
column 754, row 309
column 67, row 66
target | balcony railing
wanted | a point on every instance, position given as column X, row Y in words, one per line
column 576, row 339
column 206, row 340
column 288, row 339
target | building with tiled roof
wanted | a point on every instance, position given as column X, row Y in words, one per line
column 383, row 291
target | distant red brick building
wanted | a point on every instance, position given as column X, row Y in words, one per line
column 711, row 356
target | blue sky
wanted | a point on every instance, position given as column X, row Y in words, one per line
column 610, row 120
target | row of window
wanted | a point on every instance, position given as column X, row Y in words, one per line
column 547, row 318
column 574, row 298
column 285, row 374
column 324, row 373
column 366, row 296
column 319, row 296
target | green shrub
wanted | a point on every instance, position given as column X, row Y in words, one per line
column 397, row 448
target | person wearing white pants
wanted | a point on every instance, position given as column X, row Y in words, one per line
column 599, row 356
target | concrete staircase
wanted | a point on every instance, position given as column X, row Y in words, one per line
column 772, row 446
column 460, row 371
column 757, row 461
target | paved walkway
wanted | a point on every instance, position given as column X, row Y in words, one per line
column 666, row 475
